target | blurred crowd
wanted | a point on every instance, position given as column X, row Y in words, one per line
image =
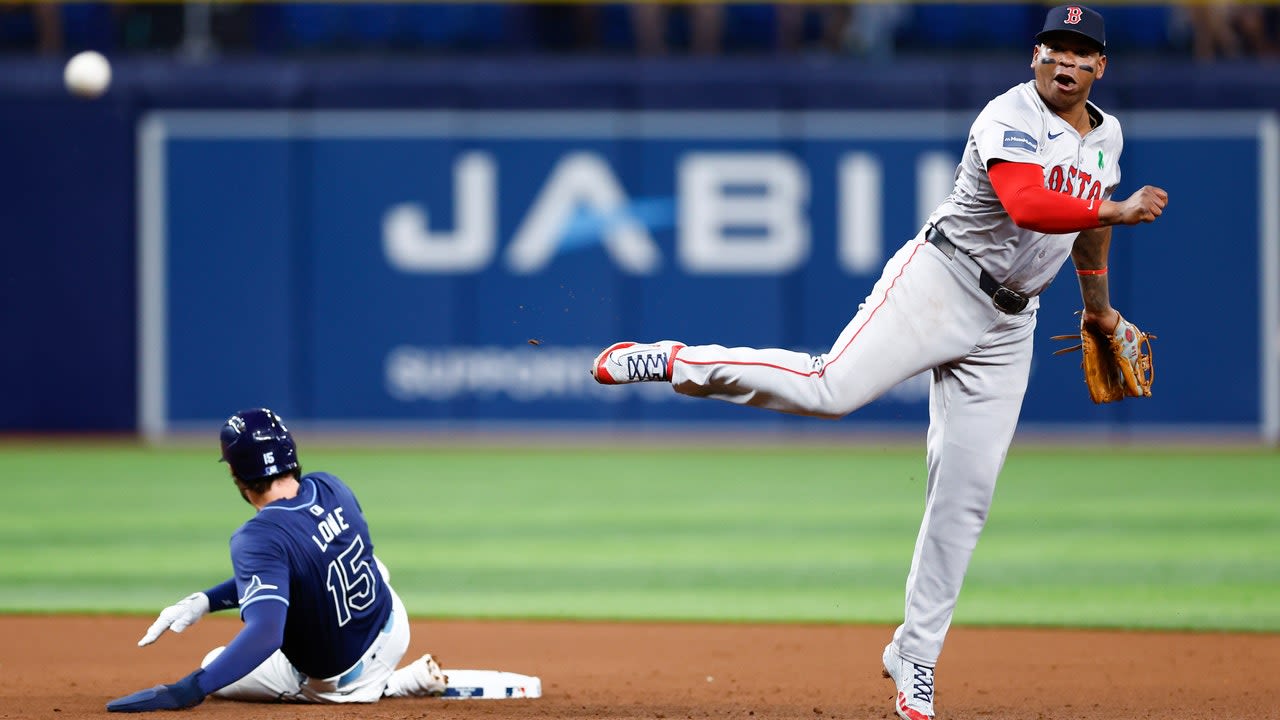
column 1206, row 29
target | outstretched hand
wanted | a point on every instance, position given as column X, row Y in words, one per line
column 1145, row 205
column 177, row 617
column 183, row 694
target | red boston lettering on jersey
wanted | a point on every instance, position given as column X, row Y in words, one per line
column 1055, row 179
column 1074, row 14
column 1061, row 180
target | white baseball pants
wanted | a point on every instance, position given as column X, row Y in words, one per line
column 277, row 680
column 925, row 312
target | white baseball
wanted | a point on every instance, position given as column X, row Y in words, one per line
column 88, row 74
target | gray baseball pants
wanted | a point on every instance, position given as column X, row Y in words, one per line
column 926, row 312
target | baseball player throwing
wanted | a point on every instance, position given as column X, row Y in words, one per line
column 959, row 299
column 321, row 622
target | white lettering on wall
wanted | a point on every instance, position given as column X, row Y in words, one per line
column 935, row 176
column 742, row 213
column 737, row 213
column 411, row 246
column 582, row 181
column 860, row 245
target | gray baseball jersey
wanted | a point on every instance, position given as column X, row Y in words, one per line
column 927, row 312
column 1018, row 127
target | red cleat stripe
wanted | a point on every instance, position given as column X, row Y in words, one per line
column 600, row 373
column 910, row 713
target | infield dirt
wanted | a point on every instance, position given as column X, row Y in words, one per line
column 69, row 667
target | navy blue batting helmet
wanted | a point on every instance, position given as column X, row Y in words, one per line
column 256, row 444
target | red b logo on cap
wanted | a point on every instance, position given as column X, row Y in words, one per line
column 1073, row 15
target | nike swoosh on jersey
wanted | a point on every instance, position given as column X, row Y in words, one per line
column 1055, row 137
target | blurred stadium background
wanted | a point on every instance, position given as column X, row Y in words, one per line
column 1207, row 31
column 408, row 215
column 419, row 222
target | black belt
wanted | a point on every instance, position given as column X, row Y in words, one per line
column 1005, row 300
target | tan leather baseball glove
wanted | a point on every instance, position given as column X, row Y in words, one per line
column 1116, row 365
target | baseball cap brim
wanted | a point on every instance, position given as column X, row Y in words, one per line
column 1041, row 37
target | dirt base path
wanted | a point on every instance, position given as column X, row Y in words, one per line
column 68, row 667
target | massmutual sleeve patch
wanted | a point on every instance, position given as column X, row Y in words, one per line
column 1018, row 140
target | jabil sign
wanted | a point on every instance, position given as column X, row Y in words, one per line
column 733, row 213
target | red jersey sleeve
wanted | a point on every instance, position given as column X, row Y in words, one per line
column 1020, row 187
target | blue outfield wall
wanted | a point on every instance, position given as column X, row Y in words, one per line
column 358, row 241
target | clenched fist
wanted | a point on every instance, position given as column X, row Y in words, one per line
column 1144, row 205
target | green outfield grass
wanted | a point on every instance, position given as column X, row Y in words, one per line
column 1142, row 538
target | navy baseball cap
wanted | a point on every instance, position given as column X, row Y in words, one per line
column 1076, row 19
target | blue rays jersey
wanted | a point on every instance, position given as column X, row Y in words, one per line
column 312, row 552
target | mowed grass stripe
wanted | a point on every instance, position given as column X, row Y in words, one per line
column 1159, row 538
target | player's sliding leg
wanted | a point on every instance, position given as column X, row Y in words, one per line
column 274, row 679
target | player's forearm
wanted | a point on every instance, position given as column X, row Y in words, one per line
column 1110, row 212
column 223, row 595
column 1090, row 250
column 1096, row 295
column 262, row 634
column 1089, row 255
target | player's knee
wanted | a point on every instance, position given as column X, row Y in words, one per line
column 821, row 407
column 213, row 655
column 831, row 403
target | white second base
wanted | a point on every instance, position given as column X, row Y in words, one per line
column 491, row 685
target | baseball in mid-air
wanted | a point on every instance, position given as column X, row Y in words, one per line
column 88, row 74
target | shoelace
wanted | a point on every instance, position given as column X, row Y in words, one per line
column 922, row 683
column 643, row 366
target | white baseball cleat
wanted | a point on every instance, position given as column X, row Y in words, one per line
column 914, row 683
column 420, row 678
column 628, row 362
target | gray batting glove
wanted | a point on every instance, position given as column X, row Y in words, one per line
column 177, row 617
